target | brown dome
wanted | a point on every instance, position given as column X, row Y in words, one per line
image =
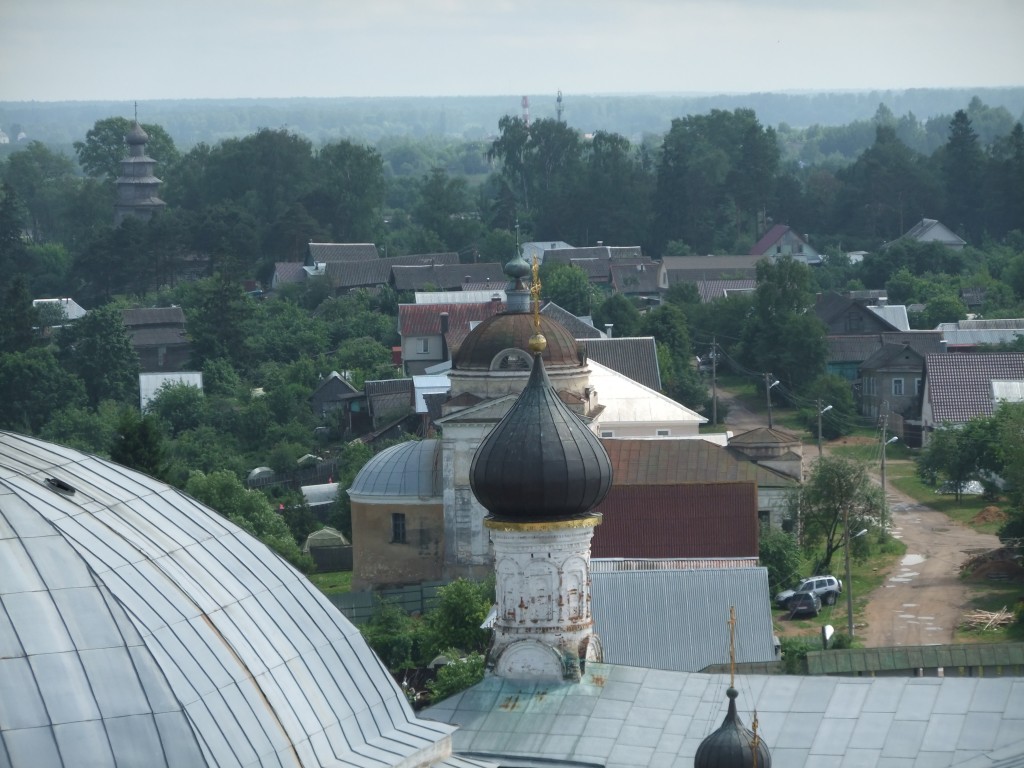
column 507, row 330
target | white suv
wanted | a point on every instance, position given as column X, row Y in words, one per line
column 825, row 587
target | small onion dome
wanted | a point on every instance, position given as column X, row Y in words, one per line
column 733, row 745
column 136, row 135
column 511, row 330
column 518, row 268
column 540, row 462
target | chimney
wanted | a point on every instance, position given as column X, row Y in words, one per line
column 608, row 329
column 444, row 335
column 883, row 301
column 465, row 278
column 444, row 323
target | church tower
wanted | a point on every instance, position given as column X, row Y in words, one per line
column 137, row 187
column 539, row 474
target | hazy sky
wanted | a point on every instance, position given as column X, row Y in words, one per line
column 154, row 49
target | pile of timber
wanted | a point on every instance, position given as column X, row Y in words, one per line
column 987, row 619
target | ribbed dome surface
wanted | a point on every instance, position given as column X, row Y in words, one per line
column 136, row 135
column 513, row 330
column 733, row 744
column 540, row 462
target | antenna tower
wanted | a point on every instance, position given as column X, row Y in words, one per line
column 526, row 110
column 558, row 106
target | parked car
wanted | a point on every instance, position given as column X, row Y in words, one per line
column 827, row 588
column 804, row 603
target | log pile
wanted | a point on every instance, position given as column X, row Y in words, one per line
column 983, row 620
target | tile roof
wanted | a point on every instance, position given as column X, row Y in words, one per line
column 409, row 277
column 359, row 274
column 327, row 252
column 289, row 272
column 959, row 386
column 425, row 319
column 635, row 357
column 642, row 277
column 691, row 520
column 134, row 318
column 712, row 290
column 859, row 347
column 628, row 717
column 671, row 461
column 578, row 327
column 645, row 618
column 768, row 239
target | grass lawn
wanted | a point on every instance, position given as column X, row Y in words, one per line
column 903, row 475
column 332, row 582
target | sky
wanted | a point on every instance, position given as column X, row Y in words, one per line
column 88, row 50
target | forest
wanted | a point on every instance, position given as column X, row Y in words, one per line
column 711, row 183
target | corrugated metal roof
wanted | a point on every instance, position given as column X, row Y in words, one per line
column 138, row 627
column 708, row 520
column 635, row 357
column 606, row 564
column 154, row 316
column 425, row 319
column 580, row 328
column 672, row 462
column 712, row 290
column 408, row 277
column 327, row 252
column 458, row 297
column 646, row 618
column 853, row 661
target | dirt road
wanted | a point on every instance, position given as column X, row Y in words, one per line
column 922, row 598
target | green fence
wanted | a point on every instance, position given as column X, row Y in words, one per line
column 358, row 607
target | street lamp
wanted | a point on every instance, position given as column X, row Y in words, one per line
column 849, row 579
column 768, row 395
column 820, row 412
column 885, row 498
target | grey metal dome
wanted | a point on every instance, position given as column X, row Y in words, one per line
column 138, row 627
column 732, row 745
column 412, row 468
column 540, row 462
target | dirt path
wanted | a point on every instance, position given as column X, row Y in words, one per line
column 922, row 598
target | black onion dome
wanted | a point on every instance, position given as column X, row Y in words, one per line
column 508, row 330
column 540, row 462
column 733, row 745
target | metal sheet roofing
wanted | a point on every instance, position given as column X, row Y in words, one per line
column 633, row 717
column 138, row 627
column 646, row 618
column 410, row 469
column 707, row 520
column 635, row 357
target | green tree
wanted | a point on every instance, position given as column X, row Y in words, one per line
column 18, row 318
column 455, row 620
column 779, row 552
column 104, row 147
column 83, row 428
column 348, row 192
column 963, row 168
column 458, row 674
column 42, row 180
column 959, row 454
column 12, row 242
column 620, row 313
column 567, row 286
column 395, row 637
column 250, row 510
column 139, row 443
column 947, row 308
column 98, row 349
column 353, row 458
column 33, row 387
column 839, row 420
column 178, row 405
column 837, row 493
column 218, row 312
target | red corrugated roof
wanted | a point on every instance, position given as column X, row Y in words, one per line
column 770, row 238
column 707, row 520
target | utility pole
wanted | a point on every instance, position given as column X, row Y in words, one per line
column 820, row 412
column 714, row 381
column 849, row 580
column 768, row 384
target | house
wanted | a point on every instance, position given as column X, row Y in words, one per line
column 287, row 273
column 159, row 338
column 712, row 290
column 64, row 309
column 430, row 332
column 630, row 409
column 605, row 253
column 642, row 280
column 958, row 388
column 324, row 253
column 460, row 297
column 693, row 269
column 536, row 250
column 337, row 396
column 776, row 450
column 446, row 277
column 388, row 400
column 847, row 352
column 843, row 315
column 933, row 231
column 892, row 380
column 346, row 276
column 579, row 327
column 781, row 240
column 632, row 356
column 974, row 335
